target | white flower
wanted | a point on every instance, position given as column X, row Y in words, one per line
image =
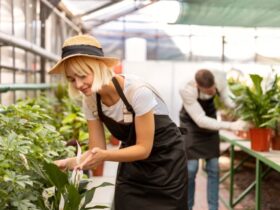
column 47, row 193
column 77, row 174
column 61, row 203
column 268, row 81
column 24, row 160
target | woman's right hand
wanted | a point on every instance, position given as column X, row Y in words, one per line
column 61, row 164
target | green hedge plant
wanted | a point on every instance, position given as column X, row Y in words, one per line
column 27, row 139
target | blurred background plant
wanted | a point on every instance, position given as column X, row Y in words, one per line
column 258, row 105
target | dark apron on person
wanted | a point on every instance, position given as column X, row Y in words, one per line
column 201, row 142
column 158, row 182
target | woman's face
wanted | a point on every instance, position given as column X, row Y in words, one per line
column 82, row 83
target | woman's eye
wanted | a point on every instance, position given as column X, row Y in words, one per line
column 71, row 79
column 82, row 77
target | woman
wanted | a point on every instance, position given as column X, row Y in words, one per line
column 151, row 173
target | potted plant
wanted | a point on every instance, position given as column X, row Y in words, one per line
column 256, row 105
column 275, row 139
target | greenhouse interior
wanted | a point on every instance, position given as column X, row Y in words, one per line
column 139, row 104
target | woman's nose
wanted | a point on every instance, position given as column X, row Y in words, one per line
column 78, row 83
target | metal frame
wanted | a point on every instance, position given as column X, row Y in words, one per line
column 26, row 45
column 36, row 55
column 30, row 86
column 270, row 159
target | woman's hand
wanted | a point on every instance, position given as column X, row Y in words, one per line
column 92, row 158
column 61, row 164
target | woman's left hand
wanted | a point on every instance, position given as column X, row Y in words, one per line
column 92, row 158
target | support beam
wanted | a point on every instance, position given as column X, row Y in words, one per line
column 137, row 7
column 32, row 86
column 26, row 45
column 99, row 8
column 58, row 13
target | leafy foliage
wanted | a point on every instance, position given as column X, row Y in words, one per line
column 33, row 133
column 69, row 194
column 257, row 105
column 236, row 87
column 27, row 138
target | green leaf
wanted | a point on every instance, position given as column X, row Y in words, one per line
column 83, row 135
column 66, row 128
column 50, row 127
column 97, row 207
column 90, row 193
column 73, row 198
column 70, row 118
column 88, row 196
column 257, row 80
column 56, row 176
column 3, row 194
column 83, row 184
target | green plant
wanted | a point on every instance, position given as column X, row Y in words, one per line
column 236, row 87
column 64, row 114
column 73, row 124
column 66, row 193
column 257, row 105
column 27, row 138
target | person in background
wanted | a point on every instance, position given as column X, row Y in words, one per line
column 152, row 158
column 198, row 117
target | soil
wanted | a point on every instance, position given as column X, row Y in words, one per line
column 245, row 175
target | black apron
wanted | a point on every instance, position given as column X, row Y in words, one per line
column 158, row 182
column 201, row 142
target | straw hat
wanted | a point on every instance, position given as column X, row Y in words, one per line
column 82, row 45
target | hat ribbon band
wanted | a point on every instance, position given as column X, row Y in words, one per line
column 81, row 49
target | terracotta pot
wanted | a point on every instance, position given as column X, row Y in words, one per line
column 275, row 142
column 114, row 141
column 260, row 139
column 98, row 171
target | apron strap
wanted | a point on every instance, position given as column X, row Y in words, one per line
column 121, row 94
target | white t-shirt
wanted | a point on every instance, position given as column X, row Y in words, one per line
column 143, row 100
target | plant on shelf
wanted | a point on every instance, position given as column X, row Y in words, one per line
column 275, row 114
column 256, row 105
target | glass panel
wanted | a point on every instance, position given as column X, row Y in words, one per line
column 19, row 19
column 19, row 58
column 206, row 47
column 7, row 56
column 240, row 48
column 6, row 17
column 268, row 47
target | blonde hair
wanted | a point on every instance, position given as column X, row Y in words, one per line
column 82, row 66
